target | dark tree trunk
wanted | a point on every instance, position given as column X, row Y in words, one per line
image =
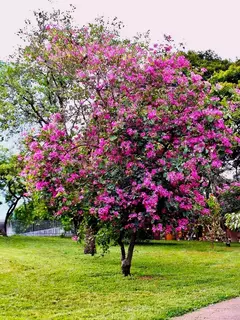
column 90, row 244
column 3, row 231
column 127, row 260
column 3, row 225
column 76, row 224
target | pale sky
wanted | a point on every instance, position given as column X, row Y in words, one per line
column 200, row 24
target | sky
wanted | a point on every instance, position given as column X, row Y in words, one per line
column 199, row 24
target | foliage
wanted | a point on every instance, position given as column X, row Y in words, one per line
column 11, row 183
column 31, row 91
column 25, row 97
column 208, row 60
column 136, row 150
column 155, row 138
column 229, row 198
column 33, row 87
column 20, row 205
column 137, row 137
column 233, row 221
column 213, row 222
column 229, row 88
column 230, row 75
column 230, row 203
column 32, row 209
column 225, row 77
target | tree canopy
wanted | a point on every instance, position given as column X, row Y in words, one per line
column 121, row 134
column 154, row 139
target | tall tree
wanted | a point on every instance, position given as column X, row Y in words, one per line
column 152, row 144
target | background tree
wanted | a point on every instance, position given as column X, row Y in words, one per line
column 11, row 185
column 208, row 60
column 233, row 221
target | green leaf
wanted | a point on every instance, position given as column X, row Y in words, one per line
column 113, row 138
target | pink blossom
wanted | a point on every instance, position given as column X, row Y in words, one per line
column 158, row 227
column 75, row 238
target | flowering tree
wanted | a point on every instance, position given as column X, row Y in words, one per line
column 225, row 76
column 154, row 139
column 55, row 165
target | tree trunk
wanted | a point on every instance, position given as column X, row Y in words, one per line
column 127, row 261
column 90, row 244
column 3, row 231
column 3, row 225
column 77, row 220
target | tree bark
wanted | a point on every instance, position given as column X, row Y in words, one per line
column 76, row 224
column 127, row 260
column 3, row 225
column 3, row 231
column 90, row 244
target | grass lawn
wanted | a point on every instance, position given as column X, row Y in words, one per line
column 51, row 278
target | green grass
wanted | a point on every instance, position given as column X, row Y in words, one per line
column 51, row 278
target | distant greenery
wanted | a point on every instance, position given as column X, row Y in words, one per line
column 11, row 184
column 224, row 75
column 233, row 221
column 209, row 60
column 169, row 278
column 230, row 75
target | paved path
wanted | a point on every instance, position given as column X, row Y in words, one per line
column 226, row 310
